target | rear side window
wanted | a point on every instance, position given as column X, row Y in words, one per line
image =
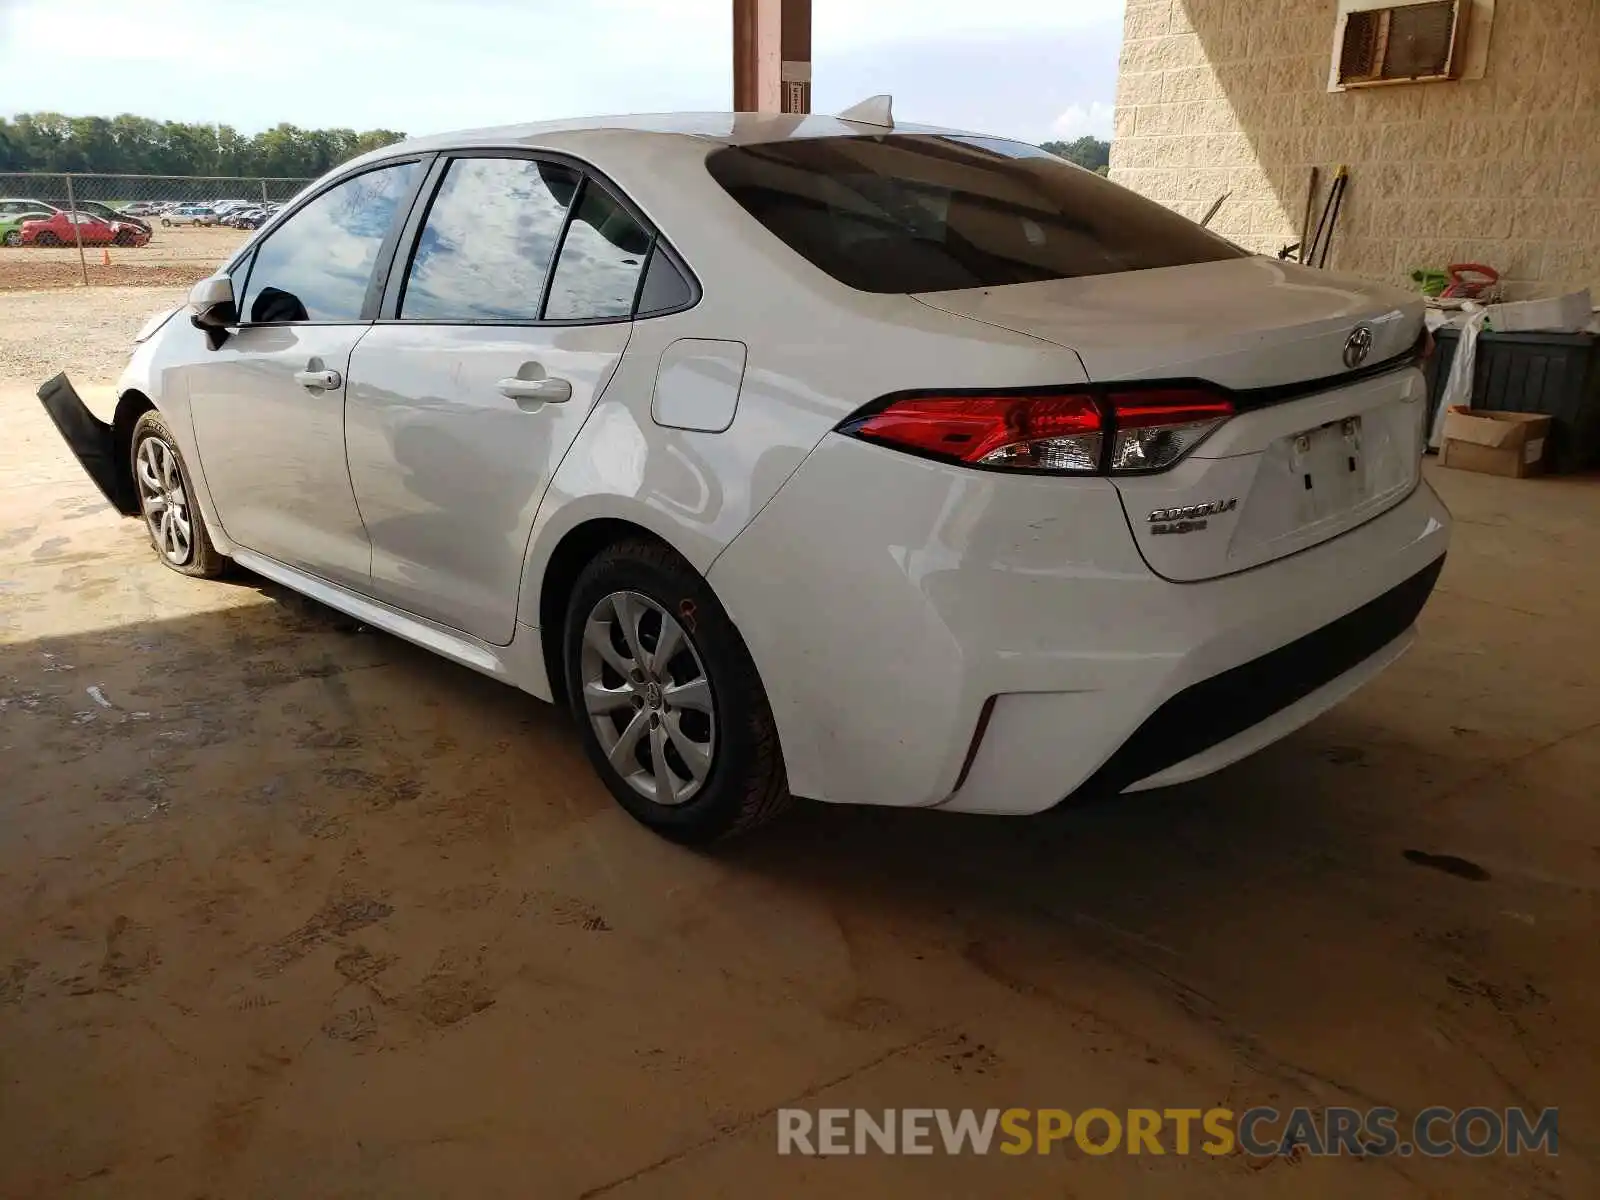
column 490, row 235
column 316, row 266
column 925, row 213
column 602, row 258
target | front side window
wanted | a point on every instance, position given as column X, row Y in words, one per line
column 487, row 243
column 316, row 266
column 924, row 213
column 597, row 275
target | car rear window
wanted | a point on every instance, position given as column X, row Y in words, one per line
column 927, row 213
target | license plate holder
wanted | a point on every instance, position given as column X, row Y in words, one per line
column 1331, row 467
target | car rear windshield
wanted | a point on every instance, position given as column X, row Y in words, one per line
column 927, row 213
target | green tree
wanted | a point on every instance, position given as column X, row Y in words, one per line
column 1088, row 152
column 133, row 145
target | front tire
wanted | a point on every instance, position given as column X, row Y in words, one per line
column 166, row 499
column 47, row 239
column 165, row 223
column 670, row 708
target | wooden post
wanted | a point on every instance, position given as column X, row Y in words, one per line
column 77, row 231
column 795, row 40
column 772, row 56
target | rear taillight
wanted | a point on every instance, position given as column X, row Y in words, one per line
column 1157, row 428
column 1077, row 433
column 1048, row 433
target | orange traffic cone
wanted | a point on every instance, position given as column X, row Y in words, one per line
column 105, row 256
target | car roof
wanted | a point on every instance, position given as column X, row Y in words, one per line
column 723, row 128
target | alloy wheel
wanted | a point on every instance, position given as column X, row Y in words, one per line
column 648, row 697
column 164, row 500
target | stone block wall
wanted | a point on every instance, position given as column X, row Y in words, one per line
column 1232, row 96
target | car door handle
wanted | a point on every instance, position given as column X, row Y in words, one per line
column 549, row 390
column 323, row 380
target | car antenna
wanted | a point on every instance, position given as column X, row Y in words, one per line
column 874, row 110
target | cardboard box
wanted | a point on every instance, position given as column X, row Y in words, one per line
column 1494, row 443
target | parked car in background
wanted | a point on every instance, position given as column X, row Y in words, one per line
column 246, row 218
column 58, row 230
column 141, row 208
column 190, row 214
column 11, row 225
column 95, row 209
column 14, row 207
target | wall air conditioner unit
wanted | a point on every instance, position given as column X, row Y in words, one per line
column 1416, row 41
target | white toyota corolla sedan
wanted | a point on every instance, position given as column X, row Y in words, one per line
column 811, row 456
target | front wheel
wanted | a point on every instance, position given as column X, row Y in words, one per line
column 670, row 708
column 166, row 499
column 125, row 238
column 47, row 239
column 165, row 223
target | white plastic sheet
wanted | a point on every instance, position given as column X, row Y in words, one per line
column 1458, row 388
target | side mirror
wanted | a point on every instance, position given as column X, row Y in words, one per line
column 213, row 309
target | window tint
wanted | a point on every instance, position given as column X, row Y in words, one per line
column 598, row 271
column 664, row 288
column 918, row 213
column 317, row 264
column 490, row 234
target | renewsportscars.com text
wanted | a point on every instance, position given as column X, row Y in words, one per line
column 1260, row 1132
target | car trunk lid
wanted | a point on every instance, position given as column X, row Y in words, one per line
column 1324, row 439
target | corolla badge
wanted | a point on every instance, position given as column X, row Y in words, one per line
column 1190, row 518
column 1357, row 346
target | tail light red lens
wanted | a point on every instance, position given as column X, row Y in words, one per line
column 1076, row 433
column 1060, row 433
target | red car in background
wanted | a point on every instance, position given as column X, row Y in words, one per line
column 57, row 230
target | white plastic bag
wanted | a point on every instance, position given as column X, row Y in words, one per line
column 1458, row 388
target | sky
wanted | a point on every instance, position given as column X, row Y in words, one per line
column 1031, row 69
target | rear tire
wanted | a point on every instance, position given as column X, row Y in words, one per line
column 697, row 724
column 163, row 484
column 13, row 237
column 47, row 239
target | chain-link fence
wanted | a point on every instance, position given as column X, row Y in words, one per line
column 60, row 230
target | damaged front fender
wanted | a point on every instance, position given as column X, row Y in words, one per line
column 92, row 440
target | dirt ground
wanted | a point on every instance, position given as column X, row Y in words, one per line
column 172, row 257
column 291, row 909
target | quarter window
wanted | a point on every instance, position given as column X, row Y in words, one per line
column 601, row 259
column 316, row 266
column 487, row 244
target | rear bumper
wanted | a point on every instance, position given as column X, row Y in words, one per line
column 91, row 440
column 1190, row 726
column 887, row 601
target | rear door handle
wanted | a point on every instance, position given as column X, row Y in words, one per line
column 325, row 381
column 548, row 390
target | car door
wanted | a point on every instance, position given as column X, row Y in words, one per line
column 268, row 405
column 498, row 335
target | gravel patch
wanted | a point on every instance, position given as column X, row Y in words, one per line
column 86, row 332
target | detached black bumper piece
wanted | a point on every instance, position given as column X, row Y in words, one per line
column 1215, row 709
column 92, row 440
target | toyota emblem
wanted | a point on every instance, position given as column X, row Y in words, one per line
column 1357, row 346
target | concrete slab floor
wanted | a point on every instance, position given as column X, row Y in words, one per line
column 288, row 909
